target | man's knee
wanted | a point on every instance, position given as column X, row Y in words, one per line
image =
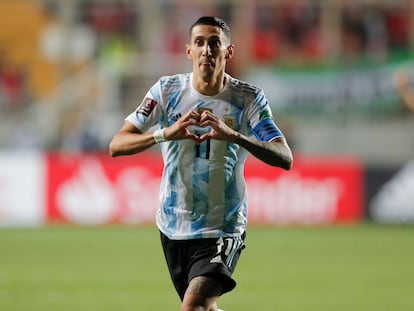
column 199, row 308
column 205, row 286
column 201, row 294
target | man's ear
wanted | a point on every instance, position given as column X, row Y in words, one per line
column 230, row 51
column 188, row 51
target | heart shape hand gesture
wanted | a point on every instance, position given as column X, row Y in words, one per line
column 181, row 129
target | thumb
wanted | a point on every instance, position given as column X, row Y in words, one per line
column 206, row 136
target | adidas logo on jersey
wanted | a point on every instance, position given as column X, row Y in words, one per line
column 216, row 259
column 176, row 117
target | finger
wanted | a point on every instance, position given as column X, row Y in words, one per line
column 191, row 135
column 189, row 122
column 196, row 138
column 207, row 123
column 190, row 115
column 193, row 115
column 206, row 136
column 206, row 115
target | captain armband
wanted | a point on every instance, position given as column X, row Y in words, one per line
column 266, row 130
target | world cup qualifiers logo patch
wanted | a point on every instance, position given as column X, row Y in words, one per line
column 146, row 107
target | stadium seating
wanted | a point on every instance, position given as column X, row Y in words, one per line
column 21, row 25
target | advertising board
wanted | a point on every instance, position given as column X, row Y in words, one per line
column 95, row 189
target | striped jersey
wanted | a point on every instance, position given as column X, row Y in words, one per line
column 203, row 191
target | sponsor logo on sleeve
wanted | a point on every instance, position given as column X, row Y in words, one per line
column 146, row 107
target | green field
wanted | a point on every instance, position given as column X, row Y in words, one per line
column 363, row 267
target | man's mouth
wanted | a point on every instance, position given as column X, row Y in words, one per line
column 206, row 62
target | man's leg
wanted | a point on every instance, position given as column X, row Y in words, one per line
column 202, row 294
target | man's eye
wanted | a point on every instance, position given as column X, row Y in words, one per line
column 215, row 43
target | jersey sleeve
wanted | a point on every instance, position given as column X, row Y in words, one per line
column 149, row 113
column 261, row 119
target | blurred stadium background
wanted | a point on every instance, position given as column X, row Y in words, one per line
column 70, row 71
column 327, row 67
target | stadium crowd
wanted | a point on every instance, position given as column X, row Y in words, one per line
column 294, row 34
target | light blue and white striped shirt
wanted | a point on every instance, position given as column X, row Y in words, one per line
column 203, row 190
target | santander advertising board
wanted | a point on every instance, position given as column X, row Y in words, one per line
column 94, row 189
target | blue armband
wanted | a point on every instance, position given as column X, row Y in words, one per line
column 266, row 130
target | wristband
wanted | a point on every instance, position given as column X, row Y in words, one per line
column 159, row 136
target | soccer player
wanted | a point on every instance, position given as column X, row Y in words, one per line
column 207, row 123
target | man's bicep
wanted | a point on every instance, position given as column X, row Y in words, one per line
column 280, row 142
column 129, row 127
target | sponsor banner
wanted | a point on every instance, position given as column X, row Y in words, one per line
column 391, row 201
column 95, row 189
column 22, row 189
column 316, row 191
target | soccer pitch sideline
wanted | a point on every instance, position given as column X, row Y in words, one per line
column 363, row 267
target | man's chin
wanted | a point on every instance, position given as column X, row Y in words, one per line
column 205, row 67
column 206, row 71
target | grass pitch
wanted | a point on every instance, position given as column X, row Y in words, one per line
column 364, row 267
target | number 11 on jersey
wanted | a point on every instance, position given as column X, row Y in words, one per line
column 202, row 150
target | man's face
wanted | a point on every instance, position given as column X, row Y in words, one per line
column 209, row 50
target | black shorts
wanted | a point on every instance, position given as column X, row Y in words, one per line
column 187, row 259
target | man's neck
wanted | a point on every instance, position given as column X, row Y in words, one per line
column 209, row 86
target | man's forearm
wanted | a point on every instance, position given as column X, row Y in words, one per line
column 275, row 153
column 130, row 143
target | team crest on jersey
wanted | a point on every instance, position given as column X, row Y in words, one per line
column 230, row 121
column 147, row 106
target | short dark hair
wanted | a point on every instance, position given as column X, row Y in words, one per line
column 212, row 21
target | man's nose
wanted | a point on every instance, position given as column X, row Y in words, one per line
column 206, row 49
